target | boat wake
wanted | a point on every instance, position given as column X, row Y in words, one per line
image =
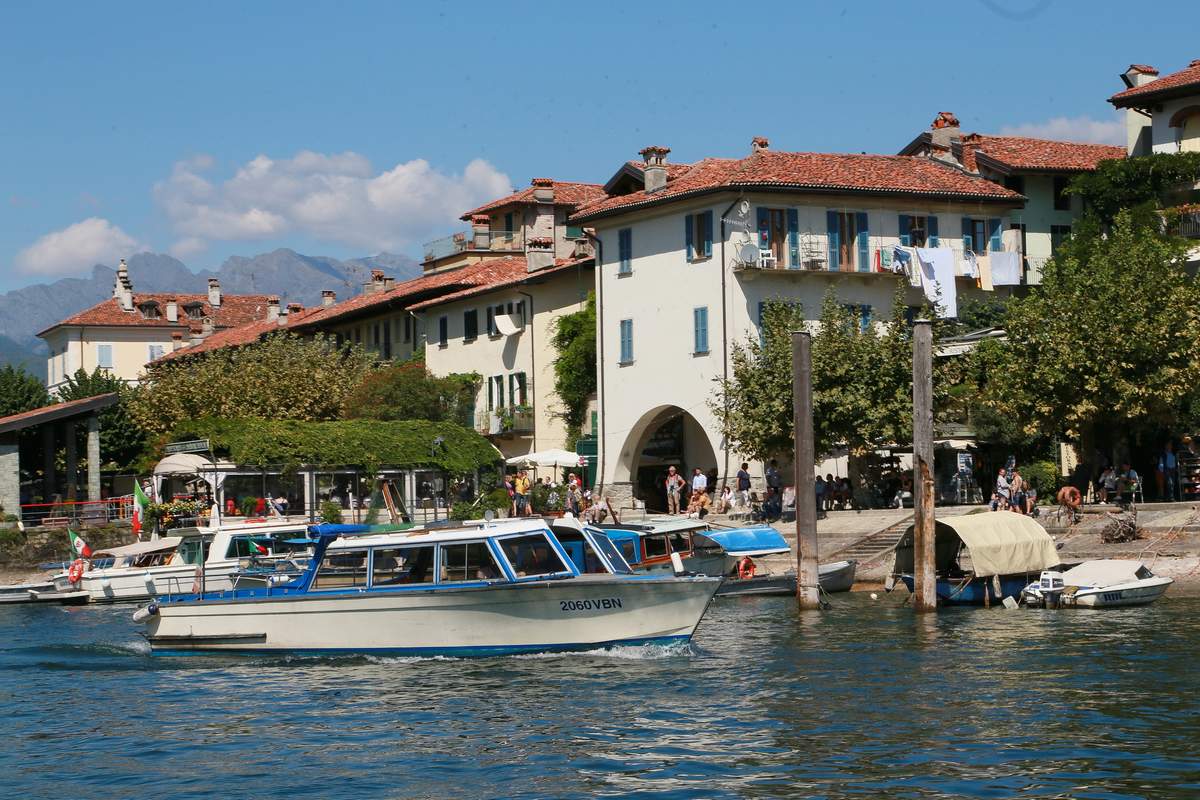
column 632, row 652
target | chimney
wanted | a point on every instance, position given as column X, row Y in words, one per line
column 272, row 308
column 481, row 233
column 1137, row 124
column 176, row 340
column 376, row 282
column 195, row 335
column 539, row 253
column 945, row 130
column 214, row 293
column 172, row 309
column 328, row 298
column 206, row 327
column 654, row 167
column 295, row 308
column 281, row 317
column 123, row 288
column 543, row 190
column 583, row 248
column 759, row 143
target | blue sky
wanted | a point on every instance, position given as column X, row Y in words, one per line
column 344, row 129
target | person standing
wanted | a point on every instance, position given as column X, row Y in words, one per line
column 1016, row 488
column 699, row 481
column 674, row 484
column 743, row 486
column 773, row 479
column 1168, row 472
column 521, row 488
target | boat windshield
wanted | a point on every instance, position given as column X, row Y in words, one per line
column 194, row 550
column 581, row 552
column 605, row 546
column 656, row 545
column 252, row 545
column 468, row 561
column 532, row 555
column 681, row 543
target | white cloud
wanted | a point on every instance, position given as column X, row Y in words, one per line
column 331, row 197
column 75, row 248
column 1072, row 129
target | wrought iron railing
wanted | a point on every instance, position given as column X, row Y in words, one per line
column 503, row 241
column 503, row 421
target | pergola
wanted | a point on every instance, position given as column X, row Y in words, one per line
column 47, row 418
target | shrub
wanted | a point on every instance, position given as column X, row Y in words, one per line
column 331, row 512
column 1043, row 476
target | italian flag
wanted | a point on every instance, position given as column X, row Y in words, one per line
column 262, row 551
column 78, row 546
column 140, row 502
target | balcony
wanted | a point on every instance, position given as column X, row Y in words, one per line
column 1189, row 225
column 512, row 421
column 498, row 241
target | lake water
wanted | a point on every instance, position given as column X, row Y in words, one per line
column 865, row 700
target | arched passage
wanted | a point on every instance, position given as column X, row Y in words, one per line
column 662, row 437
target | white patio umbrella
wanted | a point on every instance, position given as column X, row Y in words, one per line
column 546, row 458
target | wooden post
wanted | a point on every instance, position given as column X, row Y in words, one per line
column 808, row 594
column 924, row 575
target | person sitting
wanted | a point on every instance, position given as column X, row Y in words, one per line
column 699, row 504
column 1107, row 483
column 1128, row 484
column 725, row 501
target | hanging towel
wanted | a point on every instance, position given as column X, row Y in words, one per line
column 885, row 258
column 1006, row 269
column 937, row 274
column 1011, row 239
column 969, row 268
column 984, row 265
column 904, row 262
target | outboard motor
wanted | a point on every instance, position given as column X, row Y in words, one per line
column 1050, row 586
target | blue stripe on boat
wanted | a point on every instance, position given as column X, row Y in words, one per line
column 452, row 652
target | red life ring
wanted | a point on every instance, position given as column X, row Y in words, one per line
column 75, row 571
column 746, row 568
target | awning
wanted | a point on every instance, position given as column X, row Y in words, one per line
column 189, row 465
column 759, row 541
column 141, row 548
column 508, row 324
column 547, row 458
column 999, row 543
column 1103, row 572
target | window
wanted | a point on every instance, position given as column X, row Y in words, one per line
column 861, row 315
column 681, row 543
column 918, row 231
column 656, row 546
column 1016, row 183
column 517, row 395
column 470, row 324
column 581, row 552
column 492, row 330
column 155, row 351
column 980, row 235
column 341, row 569
column 700, row 333
column 625, row 251
column 1058, row 235
column 778, row 232
column 848, row 241
column 469, row 561
column 532, row 555
column 104, row 358
column 495, row 392
column 1062, row 200
column 1019, row 226
column 150, row 311
column 574, row 231
column 605, row 546
column 393, row 566
column 407, row 329
column 443, row 331
column 698, row 229
column 508, row 224
column 194, row 310
column 626, row 341
column 387, row 339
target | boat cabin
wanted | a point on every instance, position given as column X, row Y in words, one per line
column 139, row 555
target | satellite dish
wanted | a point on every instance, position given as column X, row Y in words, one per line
column 744, row 208
column 748, row 253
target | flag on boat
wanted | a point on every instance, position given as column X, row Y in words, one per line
column 78, row 546
column 258, row 548
column 140, row 504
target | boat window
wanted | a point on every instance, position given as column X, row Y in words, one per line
column 192, row 552
column 394, row 566
column 1143, row 573
column 656, row 545
column 342, row 569
column 605, row 546
column 581, row 552
column 468, row 561
column 249, row 546
column 681, row 542
column 704, row 544
column 532, row 555
column 629, row 551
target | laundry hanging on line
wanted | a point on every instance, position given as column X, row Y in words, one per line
column 937, row 274
column 984, row 265
column 1006, row 269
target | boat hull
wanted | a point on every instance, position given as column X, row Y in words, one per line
column 480, row 620
column 835, row 577
column 1138, row 593
column 975, row 592
column 129, row 585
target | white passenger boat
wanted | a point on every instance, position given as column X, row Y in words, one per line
column 182, row 563
column 479, row 590
column 1102, row 583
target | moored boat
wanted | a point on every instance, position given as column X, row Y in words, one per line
column 836, row 576
column 1101, row 583
column 491, row 589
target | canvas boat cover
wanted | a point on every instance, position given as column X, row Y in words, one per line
column 1103, row 572
column 758, row 541
column 999, row 543
column 141, row 548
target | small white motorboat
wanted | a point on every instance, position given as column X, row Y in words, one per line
column 1102, row 583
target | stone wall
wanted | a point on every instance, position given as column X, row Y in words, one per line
column 26, row 549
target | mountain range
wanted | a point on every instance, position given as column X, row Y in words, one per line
column 296, row 278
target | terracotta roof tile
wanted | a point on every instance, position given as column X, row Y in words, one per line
column 811, row 172
column 510, row 272
column 566, row 193
column 1024, row 153
column 240, row 335
column 1180, row 82
column 235, row 309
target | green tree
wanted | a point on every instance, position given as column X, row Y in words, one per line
column 1126, row 183
column 408, row 391
column 122, row 441
column 1108, row 342
column 575, row 368
column 280, row 377
column 20, row 391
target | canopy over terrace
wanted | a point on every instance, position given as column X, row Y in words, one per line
column 48, row 418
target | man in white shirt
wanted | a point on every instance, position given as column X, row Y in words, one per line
column 699, row 481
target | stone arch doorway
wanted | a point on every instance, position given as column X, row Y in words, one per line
column 662, row 437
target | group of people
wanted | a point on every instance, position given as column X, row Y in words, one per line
column 833, row 493
column 1013, row 492
column 1117, row 485
column 699, row 503
column 575, row 499
column 695, row 498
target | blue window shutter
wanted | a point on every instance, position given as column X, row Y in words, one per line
column 689, row 231
column 905, row 228
column 491, row 396
column 864, row 317
column 762, row 331
column 932, row 233
column 968, row 245
column 764, row 228
column 994, row 235
column 708, row 233
column 700, row 323
column 626, row 340
column 831, row 230
column 793, row 223
column 864, row 242
column 625, row 249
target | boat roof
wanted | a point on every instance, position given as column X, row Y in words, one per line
column 999, row 542
column 141, row 548
column 760, row 540
column 356, row 536
column 1103, row 572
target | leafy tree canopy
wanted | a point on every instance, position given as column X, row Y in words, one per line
column 20, row 391
column 408, row 391
column 575, row 368
column 280, row 377
column 122, row 441
column 1127, row 183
